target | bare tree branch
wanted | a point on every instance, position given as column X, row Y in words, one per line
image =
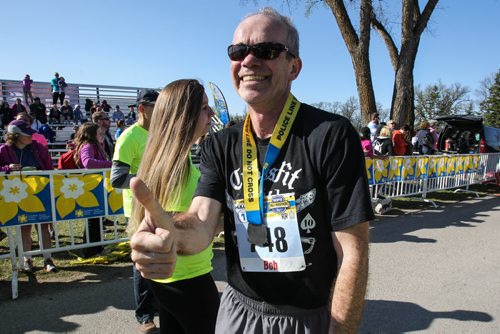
column 389, row 42
column 344, row 23
column 424, row 18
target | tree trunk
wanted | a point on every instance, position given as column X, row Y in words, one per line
column 403, row 106
column 358, row 47
column 364, row 84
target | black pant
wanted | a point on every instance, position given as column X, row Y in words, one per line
column 94, row 235
column 55, row 96
column 188, row 306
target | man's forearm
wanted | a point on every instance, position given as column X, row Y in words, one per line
column 349, row 290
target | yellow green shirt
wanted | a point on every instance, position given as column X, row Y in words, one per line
column 189, row 266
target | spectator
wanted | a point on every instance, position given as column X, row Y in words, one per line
column 54, row 115
column 435, row 135
column 374, row 125
column 105, row 106
column 90, row 154
column 88, row 105
column 366, row 143
column 6, row 113
column 54, row 83
column 94, row 108
column 40, row 110
column 120, row 128
column 66, row 112
column 382, row 146
column 126, row 160
column 402, row 146
column 19, row 152
column 118, row 114
column 102, row 119
column 391, row 124
column 35, row 136
column 27, row 82
column 131, row 115
column 424, row 140
column 62, row 89
column 18, row 107
column 77, row 115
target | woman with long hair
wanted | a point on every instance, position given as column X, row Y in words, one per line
column 90, row 154
column 22, row 152
column 188, row 300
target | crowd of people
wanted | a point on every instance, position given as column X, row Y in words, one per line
column 60, row 112
column 380, row 139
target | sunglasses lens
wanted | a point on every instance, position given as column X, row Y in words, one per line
column 267, row 51
column 237, row 52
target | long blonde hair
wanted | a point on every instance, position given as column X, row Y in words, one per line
column 164, row 166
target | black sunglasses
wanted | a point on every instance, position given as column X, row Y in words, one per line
column 267, row 51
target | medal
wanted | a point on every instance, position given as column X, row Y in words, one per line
column 257, row 234
column 253, row 190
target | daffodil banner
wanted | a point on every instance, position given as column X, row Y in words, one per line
column 55, row 196
column 395, row 169
column 46, row 196
column 24, row 199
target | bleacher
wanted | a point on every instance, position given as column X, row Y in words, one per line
column 10, row 90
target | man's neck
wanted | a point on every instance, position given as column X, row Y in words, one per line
column 264, row 119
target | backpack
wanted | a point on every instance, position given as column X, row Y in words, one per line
column 48, row 133
column 428, row 140
column 67, row 161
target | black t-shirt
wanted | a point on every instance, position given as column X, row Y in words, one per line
column 322, row 163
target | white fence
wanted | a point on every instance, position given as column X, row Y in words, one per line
column 65, row 197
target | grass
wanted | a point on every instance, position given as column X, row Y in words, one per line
column 66, row 259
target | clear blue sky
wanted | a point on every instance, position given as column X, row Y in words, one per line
column 150, row 43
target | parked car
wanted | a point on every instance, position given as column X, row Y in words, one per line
column 466, row 134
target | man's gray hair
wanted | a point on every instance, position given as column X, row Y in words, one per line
column 292, row 33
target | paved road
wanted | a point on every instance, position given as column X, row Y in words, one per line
column 433, row 271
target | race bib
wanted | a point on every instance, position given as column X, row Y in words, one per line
column 283, row 252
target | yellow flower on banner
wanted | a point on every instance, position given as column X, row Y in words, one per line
column 422, row 166
column 368, row 165
column 79, row 213
column 441, row 165
column 395, row 169
column 475, row 161
column 380, row 168
column 450, row 168
column 75, row 189
column 460, row 164
column 115, row 197
column 18, row 194
column 468, row 164
column 433, row 165
column 408, row 167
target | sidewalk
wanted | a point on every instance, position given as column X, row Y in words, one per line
column 432, row 271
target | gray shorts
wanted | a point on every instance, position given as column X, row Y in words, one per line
column 241, row 314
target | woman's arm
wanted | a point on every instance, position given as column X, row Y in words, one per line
column 89, row 158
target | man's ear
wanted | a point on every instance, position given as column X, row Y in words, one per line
column 140, row 108
column 296, row 67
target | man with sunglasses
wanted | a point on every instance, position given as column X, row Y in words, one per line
column 292, row 186
column 101, row 118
